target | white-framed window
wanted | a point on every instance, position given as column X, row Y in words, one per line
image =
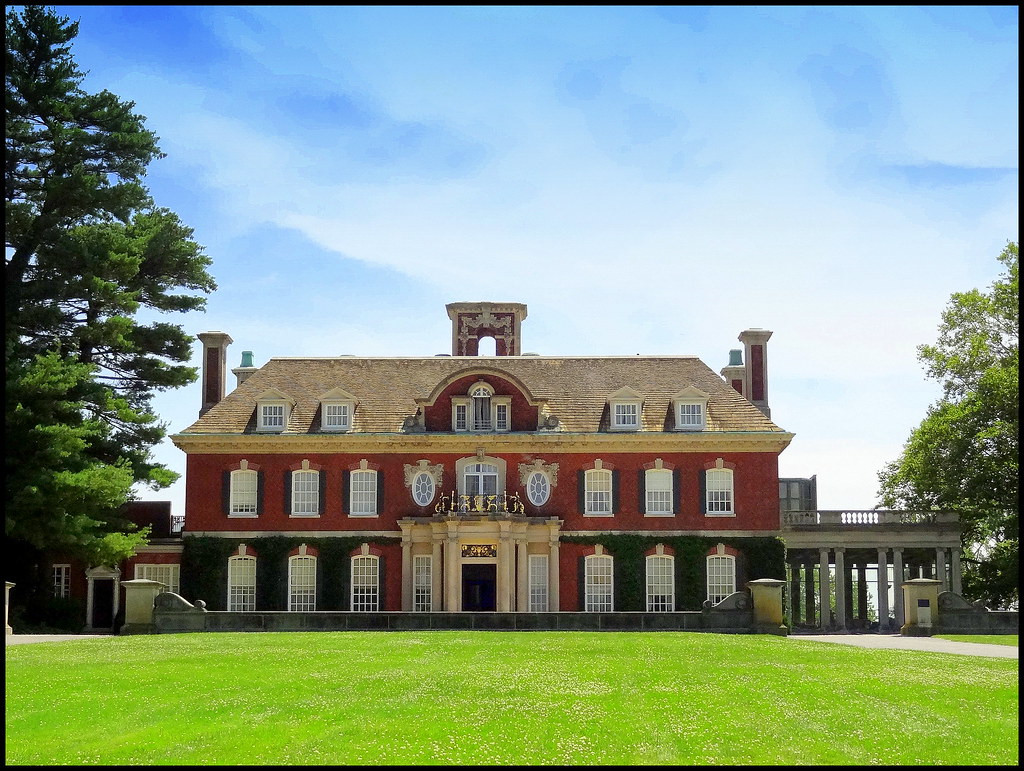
column 598, row 583
column 363, row 493
column 165, row 574
column 305, row 493
column 365, row 584
column 690, row 415
column 626, row 415
column 271, row 417
column 658, row 492
column 422, row 582
column 661, row 595
column 241, row 583
column 538, row 488
column 423, row 488
column 337, row 416
column 302, row 582
column 719, row 490
column 62, row 580
column 481, row 479
column 538, row 570
column 481, row 410
column 273, row 408
column 598, row 492
column 244, row 493
column 721, row 577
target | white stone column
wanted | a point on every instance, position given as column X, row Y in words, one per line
column 940, row 568
column 453, row 584
column 882, row 586
column 897, row 581
column 840, row 589
column 823, row 588
column 523, row 580
column 554, row 604
column 436, row 573
column 957, row 586
column 406, row 568
column 503, row 587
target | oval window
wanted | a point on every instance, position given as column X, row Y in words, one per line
column 423, row 489
column 538, row 488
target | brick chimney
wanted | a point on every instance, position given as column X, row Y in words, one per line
column 473, row 321
column 755, row 375
column 735, row 372
column 245, row 369
column 215, row 359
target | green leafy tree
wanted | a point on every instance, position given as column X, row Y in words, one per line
column 87, row 253
column 964, row 455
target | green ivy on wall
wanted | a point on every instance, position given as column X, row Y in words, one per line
column 204, row 569
column 760, row 558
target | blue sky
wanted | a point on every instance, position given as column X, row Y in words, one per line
column 647, row 180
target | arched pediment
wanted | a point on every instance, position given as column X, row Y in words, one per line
column 486, row 374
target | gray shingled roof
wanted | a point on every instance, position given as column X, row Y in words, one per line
column 576, row 390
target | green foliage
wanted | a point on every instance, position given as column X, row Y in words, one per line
column 204, row 574
column 469, row 698
column 761, row 558
column 86, row 251
column 964, row 456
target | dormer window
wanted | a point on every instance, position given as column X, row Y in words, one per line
column 624, row 409
column 337, row 407
column 481, row 410
column 273, row 408
column 690, row 408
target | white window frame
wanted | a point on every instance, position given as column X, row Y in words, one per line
column 538, row 583
column 169, row 574
column 719, row 491
column 305, row 493
column 242, row 582
column 362, row 493
column 422, row 583
column 62, row 580
column 721, row 577
column 599, row 583
column 625, row 415
column 493, row 416
column 538, row 488
column 423, row 488
column 658, row 492
column 598, row 502
column 365, row 584
column 243, row 501
column 301, row 583
column 689, row 422
column 661, row 589
column 336, row 416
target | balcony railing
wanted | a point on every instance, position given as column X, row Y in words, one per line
column 868, row 517
column 500, row 503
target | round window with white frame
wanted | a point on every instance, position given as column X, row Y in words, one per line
column 423, row 488
column 538, row 488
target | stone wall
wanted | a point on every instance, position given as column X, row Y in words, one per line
column 958, row 616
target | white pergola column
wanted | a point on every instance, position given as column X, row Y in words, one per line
column 882, row 586
column 957, row 586
column 898, row 578
column 452, row 584
column 840, row 588
column 823, row 588
column 940, row 568
column 504, row 585
column 523, row 571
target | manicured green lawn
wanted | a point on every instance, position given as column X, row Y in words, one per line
column 988, row 639
column 534, row 698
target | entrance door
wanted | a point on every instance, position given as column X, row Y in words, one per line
column 103, row 603
column 478, row 587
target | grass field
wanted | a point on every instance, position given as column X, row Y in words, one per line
column 988, row 639
column 533, row 698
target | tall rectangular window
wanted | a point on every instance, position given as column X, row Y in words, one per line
column 244, row 491
column 305, row 493
column 538, row 568
column 719, row 491
column 598, row 584
column 598, row 493
column 658, row 492
column 301, row 583
column 721, row 577
column 422, row 583
column 501, row 417
column 660, row 584
column 363, row 493
column 242, row 583
column 364, row 583
column 165, row 574
column 461, row 419
column 61, row 580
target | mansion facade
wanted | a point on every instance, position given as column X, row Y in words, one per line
column 511, row 483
